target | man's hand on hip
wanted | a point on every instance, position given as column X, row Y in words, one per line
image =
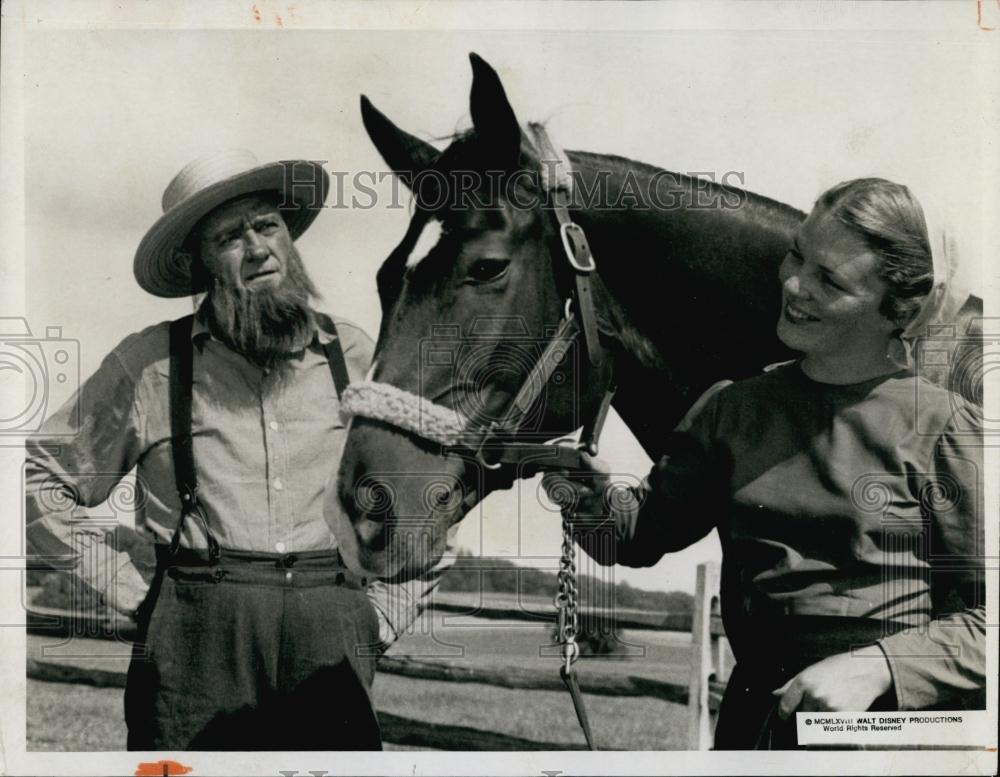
column 126, row 591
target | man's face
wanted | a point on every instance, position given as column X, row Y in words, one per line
column 258, row 292
column 246, row 244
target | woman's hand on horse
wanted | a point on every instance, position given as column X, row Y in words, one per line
column 846, row 682
column 580, row 491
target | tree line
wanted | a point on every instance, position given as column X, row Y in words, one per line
column 502, row 576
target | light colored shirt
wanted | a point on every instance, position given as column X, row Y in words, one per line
column 265, row 444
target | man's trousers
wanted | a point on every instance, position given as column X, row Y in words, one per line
column 254, row 652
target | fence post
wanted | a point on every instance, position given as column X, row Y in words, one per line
column 703, row 653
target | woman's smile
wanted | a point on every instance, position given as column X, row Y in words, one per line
column 796, row 315
column 832, row 298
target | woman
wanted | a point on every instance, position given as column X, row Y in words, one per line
column 846, row 490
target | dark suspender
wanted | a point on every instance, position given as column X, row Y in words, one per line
column 181, row 380
column 181, row 385
column 335, row 356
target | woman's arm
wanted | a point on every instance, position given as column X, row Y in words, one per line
column 935, row 663
column 947, row 657
column 675, row 506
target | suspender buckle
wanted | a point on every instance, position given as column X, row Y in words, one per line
column 189, row 497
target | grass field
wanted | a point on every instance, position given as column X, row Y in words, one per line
column 73, row 717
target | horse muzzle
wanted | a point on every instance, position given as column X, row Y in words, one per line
column 393, row 502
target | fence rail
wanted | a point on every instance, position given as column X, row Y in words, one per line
column 701, row 693
column 544, row 613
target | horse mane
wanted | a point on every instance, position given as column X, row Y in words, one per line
column 613, row 320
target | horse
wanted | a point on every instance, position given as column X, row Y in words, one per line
column 685, row 293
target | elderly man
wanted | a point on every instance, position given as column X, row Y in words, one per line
column 253, row 635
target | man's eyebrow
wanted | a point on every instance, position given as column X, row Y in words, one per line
column 229, row 226
column 235, row 224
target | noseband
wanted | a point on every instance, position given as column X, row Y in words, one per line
column 494, row 444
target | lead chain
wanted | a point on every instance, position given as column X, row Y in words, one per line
column 566, row 598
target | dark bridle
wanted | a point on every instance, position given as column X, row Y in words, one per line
column 494, row 444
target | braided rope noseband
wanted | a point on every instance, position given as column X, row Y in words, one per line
column 407, row 411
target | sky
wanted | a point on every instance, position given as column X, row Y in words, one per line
column 112, row 115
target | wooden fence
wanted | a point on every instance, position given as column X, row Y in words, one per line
column 701, row 694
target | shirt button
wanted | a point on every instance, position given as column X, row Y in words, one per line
column 278, row 485
column 274, row 425
column 280, row 547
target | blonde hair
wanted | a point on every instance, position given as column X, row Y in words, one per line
column 890, row 222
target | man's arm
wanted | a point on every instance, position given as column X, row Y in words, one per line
column 64, row 475
column 399, row 604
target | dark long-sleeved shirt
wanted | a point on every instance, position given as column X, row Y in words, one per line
column 862, row 501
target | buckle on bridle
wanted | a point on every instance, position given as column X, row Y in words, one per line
column 574, row 241
column 480, row 457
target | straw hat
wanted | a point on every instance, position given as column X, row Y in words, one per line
column 162, row 265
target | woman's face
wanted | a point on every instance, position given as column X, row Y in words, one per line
column 831, row 293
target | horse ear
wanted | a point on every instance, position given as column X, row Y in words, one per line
column 404, row 153
column 496, row 125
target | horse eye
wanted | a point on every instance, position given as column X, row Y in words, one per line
column 483, row 270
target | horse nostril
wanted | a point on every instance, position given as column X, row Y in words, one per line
column 372, row 534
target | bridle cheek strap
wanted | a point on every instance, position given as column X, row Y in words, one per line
column 491, row 444
column 457, row 433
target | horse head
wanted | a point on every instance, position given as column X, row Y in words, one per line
column 479, row 294
column 470, row 299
